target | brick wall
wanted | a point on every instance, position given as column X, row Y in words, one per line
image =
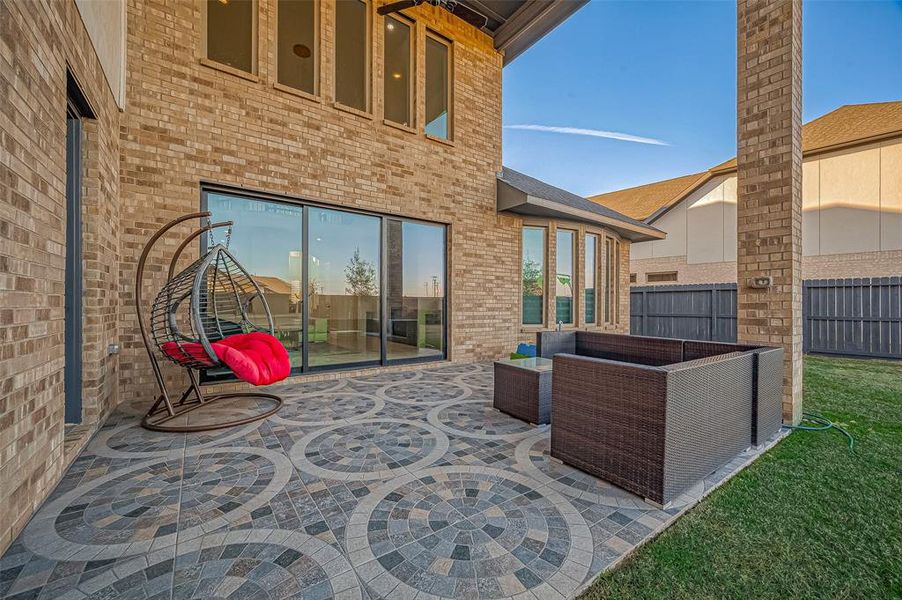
column 37, row 41
column 769, row 182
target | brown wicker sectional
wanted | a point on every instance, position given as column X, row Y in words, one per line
column 655, row 415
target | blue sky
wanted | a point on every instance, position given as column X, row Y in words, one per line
column 666, row 71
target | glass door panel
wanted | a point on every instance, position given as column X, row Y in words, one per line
column 416, row 290
column 343, row 288
column 266, row 240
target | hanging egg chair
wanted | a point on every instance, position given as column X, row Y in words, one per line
column 211, row 315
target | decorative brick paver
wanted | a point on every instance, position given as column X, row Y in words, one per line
column 381, row 487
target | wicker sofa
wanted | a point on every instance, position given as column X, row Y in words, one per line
column 655, row 415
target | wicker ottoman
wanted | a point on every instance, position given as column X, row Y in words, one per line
column 523, row 388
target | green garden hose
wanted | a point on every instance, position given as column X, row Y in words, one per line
column 822, row 423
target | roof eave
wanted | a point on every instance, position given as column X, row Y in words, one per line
column 513, row 200
column 530, row 23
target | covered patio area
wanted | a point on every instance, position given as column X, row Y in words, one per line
column 394, row 485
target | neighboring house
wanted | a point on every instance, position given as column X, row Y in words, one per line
column 852, row 206
column 367, row 146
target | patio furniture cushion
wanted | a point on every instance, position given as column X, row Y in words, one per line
column 257, row 358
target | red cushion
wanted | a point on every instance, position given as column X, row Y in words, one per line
column 257, row 358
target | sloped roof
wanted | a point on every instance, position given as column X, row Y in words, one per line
column 642, row 201
column 849, row 125
column 522, row 194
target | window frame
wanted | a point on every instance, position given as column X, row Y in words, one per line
column 575, row 278
column 206, row 187
column 544, row 269
column 367, row 63
column 596, row 271
column 412, row 68
column 449, row 44
column 317, row 46
column 255, row 35
column 612, row 287
column 655, row 277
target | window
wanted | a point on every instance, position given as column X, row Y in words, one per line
column 611, row 285
column 533, row 275
column 231, row 33
column 590, row 268
column 267, row 240
column 415, row 256
column 351, row 52
column 633, row 278
column 438, row 88
column 563, row 300
column 297, row 48
column 661, row 277
column 399, row 70
column 343, row 287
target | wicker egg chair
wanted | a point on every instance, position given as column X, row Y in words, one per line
column 212, row 314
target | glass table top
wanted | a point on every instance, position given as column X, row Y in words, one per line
column 532, row 364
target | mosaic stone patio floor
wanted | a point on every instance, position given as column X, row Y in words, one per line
column 397, row 485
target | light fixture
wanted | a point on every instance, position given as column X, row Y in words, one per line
column 396, row 75
column 223, row 2
column 299, row 49
column 390, row 26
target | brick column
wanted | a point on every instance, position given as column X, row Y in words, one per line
column 769, row 203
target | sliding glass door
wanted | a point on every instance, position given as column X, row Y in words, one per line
column 267, row 240
column 343, row 288
column 346, row 289
column 416, row 290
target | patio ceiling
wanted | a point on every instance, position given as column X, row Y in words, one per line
column 516, row 25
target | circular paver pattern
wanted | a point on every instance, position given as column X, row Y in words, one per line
column 126, row 511
column 327, row 408
column 132, row 441
column 455, row 369
column 369, row 449
column 468, row 531
column 270, row 563
column 533, row 456
column 307, row 388
column 385, row 378
column 424, row 392
column 480, row 379
column 478, row 420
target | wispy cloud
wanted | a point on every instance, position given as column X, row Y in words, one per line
column 613, row 135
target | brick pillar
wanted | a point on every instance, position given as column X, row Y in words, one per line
column 769, row 196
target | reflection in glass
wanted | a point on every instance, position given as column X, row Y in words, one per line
column 350, row 53
column 533, row 272
column 398, row 80
column 564, row 277
column 230, row 33
column 591, row 253
column 344, row 325
column 297, row 44
column 416, row 289
column 266, row 240
column 438, row 89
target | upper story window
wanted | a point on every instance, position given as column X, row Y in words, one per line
column 611, row 281
column 351, row 53
column 231, row 33
column 297, row 44
column 564, row 279
column 438, row 87
column 533, row 273
column 399, row 70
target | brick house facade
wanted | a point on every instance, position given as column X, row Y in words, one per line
column 185, row 122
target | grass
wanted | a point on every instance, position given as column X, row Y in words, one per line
column 807, row 520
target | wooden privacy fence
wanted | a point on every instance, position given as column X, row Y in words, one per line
column 854, row 317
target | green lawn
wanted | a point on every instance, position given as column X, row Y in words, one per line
column 807, row 520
